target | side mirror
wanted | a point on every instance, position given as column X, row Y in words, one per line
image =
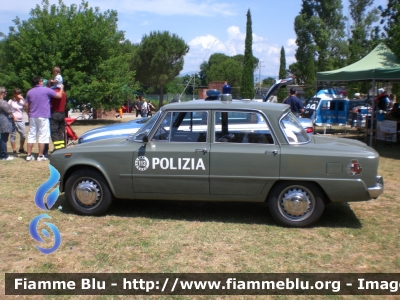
column 145, row 139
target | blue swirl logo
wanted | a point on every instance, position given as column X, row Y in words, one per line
column 35, row 234
column 45, row 187
column 40, row 202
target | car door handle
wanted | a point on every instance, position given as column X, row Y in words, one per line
column 201, row 150
column 274, row 152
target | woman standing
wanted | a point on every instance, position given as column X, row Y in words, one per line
column 150, row 108
column 6, row 125
column 17, row 103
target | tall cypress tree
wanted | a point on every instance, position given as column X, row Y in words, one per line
column 310, row 75
column 248, row 62
column 282, row 94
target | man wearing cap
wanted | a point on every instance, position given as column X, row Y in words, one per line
column 382, row 100
column 38, row 110
column 296, row 106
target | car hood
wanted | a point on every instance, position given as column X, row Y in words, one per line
column 114, row 141
column 113, row 130
column 118, row 126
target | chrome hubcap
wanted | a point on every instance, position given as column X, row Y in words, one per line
column 296, row 203
column 87, row 193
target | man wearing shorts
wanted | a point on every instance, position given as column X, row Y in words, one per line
column 38, row 109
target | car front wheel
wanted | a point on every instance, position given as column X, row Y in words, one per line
column 296, row 204
column 88, row 192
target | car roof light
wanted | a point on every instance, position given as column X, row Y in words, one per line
column 213, row 93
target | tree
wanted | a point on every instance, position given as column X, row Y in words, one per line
column 391, row 21
column 282, row 94
column 321, row 24
column 311, row 74
column 294, row 72
column 391, row 25
column 159, row 59
column 83, row 42
column 362, row 39
column 247, row 89
column 130, row 50
column 267, row 82
column 221, row 67
column 229, row 70
column 214, row 59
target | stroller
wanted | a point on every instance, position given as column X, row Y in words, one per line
column 70, row 135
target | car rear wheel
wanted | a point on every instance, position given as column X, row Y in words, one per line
column 88, row 192
column 295, row 204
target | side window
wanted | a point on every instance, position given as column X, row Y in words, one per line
column 188, row 126
column 241, row 127
column 162, row 133
column 325, row 105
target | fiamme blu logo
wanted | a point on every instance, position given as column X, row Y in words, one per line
column 40, row 202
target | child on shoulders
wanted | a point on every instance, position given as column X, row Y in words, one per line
column 57, row 80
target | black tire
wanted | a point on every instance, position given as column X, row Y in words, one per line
column 88, row 192
column 296, row 204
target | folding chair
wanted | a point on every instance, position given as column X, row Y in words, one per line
column 70, row 135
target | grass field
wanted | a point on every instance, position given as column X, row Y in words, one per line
column 139, row 236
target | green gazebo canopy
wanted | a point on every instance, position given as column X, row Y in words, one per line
column 379, row 64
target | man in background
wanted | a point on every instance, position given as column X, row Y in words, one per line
column 296, row 106
column 57, row 119
column 138, row 106
column 38, row 110
column 382, row 100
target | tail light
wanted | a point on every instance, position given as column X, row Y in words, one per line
column 309, row 130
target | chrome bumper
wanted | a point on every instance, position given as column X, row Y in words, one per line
column 375, row 191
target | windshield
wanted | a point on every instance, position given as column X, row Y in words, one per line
column 145, row 129
column 294, row 132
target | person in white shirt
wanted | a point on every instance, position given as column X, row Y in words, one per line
column 144, row 108
column 17, row 103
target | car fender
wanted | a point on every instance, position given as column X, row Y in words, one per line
column 80, row 163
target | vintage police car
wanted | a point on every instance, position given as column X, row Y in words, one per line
column 127, row 128
column 219, row 151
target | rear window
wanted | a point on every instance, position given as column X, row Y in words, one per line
column 294, row 132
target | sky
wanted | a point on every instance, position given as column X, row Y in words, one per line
column 207, row 26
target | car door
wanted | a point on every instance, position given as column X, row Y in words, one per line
column 244, row 156
column 176, row 158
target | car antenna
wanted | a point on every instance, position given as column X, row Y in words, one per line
column 179, row 99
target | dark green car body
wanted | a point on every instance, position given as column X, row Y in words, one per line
column 222, row 151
